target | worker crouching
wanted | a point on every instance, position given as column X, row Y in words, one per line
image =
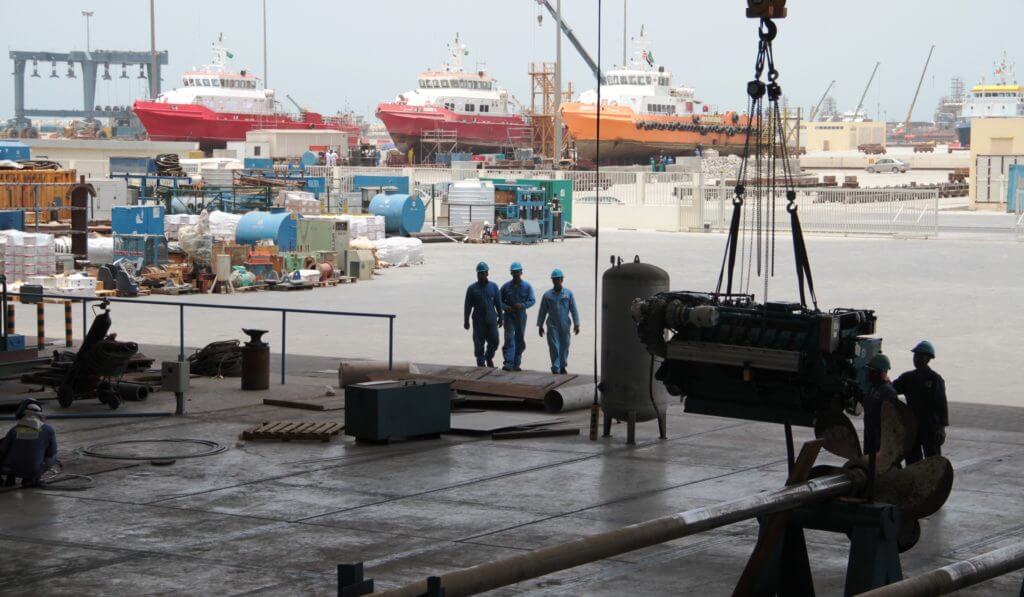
column 30, row 447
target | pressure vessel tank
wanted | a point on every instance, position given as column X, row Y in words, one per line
column 280, row 227
column 403, row 214
column 627, row 385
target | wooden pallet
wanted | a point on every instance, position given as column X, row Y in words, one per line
column 289, row 430
column 103, row 293
column 172, row 291
column 286, row 287
column 328, row 283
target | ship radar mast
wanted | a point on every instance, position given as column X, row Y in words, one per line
column 456, row 51
column 1004, row 71
column 643, row 57
column 220, row 53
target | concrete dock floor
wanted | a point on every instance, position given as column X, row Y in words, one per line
column 276, row 518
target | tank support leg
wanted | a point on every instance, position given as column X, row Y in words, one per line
column 663, row 425
column 607, row 425
column 631, row 427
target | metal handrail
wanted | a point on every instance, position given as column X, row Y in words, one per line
column 284, row 311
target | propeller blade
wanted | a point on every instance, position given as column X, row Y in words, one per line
column 918, row 490
column 839, row 435
column 899, row 430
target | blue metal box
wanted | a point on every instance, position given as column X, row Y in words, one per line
column 137, row 219
column 401, row 183
column 15, row 342
column 13, row 150
column 380, row 411
column 13, row 219
column 123, row 165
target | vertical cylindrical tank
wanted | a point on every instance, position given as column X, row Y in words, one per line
column 626, row 383
column 280, row 227
column 403, row 214
column 470, row 201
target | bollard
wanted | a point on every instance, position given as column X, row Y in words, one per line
column 68, row 337
column 40, row 325
column 10, row 318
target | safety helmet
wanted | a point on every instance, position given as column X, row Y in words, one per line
column 557, row 273
column 26, row 406
column 482, row 268
column 925, row 347
column 879, row 362
column 516, row 267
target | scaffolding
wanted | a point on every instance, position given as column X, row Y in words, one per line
column 434, row 142
column 544, row 101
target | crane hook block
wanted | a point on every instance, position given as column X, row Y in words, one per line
column 766, row 9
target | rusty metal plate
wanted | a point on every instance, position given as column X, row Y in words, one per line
column 527, row 385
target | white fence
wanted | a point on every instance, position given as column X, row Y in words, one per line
column 666, row 200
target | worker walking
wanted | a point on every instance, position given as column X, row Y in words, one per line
column 925, row 391
column 879, row 390
column 30, row 447
column 517, row 296
column 557, row 306
column 483, row 306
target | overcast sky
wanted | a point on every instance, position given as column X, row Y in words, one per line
column 345, row 54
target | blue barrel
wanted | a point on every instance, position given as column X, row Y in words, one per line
column 403, row 214
column 280, row 227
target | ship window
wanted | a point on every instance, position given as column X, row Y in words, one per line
column 216, row 82
column 470, row 108
column 632, row 79
column 444, row 83
column 485, row 108
column 648, row 79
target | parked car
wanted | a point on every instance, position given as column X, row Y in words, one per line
column 887, row 165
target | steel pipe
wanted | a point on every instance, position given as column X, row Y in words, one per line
column 957, row 575
column 539, row 562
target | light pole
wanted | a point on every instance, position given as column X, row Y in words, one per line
column 265, row 83
column 88, row 15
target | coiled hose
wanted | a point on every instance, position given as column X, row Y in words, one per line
column 217, row 359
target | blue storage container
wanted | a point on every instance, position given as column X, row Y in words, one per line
column 13, row 150
column 15, row 342
column 122, row 165
column 403, row 214
column 258, row 164
column 280, row 227
column 1015, row 189
column 13, row 219
column 137, row 219
column 360, row 181
column 142, row 249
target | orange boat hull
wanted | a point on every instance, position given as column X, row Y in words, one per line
column 629, row 137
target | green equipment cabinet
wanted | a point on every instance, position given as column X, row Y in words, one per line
column 554, row 190
column 314, row 235
column 385, row 410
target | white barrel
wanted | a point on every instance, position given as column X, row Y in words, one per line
column 470, row 201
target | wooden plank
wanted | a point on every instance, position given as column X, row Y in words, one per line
column 293, row 404
column 530, row 433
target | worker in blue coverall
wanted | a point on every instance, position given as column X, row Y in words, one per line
column 483, row 303
column 557, row 306
column 30, row 447
column 879, row 391
column 517, row 296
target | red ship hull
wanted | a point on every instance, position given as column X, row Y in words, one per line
column 472, row 133
column 190, row 122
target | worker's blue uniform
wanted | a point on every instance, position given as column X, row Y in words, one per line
column 513, row 294
column 29, row 449
column 926, row 396
column 556, row 309
column 483, row 302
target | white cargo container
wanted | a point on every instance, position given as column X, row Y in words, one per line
column 288, row 143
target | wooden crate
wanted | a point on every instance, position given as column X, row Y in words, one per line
column 289, row 430
column 15, row 197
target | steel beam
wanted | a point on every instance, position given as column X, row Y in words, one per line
column 540, row 562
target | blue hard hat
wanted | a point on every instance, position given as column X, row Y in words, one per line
column 482, row 267
column 879, row 362
column 925, row 347
column 557, row 273
column 516, row 267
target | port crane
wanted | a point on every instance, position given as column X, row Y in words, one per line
column 817, row 108
column 296, row 104
column 860, row 104
column 573, row 40
column 910, row 111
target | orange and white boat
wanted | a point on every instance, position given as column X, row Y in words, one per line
column 644, row 116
